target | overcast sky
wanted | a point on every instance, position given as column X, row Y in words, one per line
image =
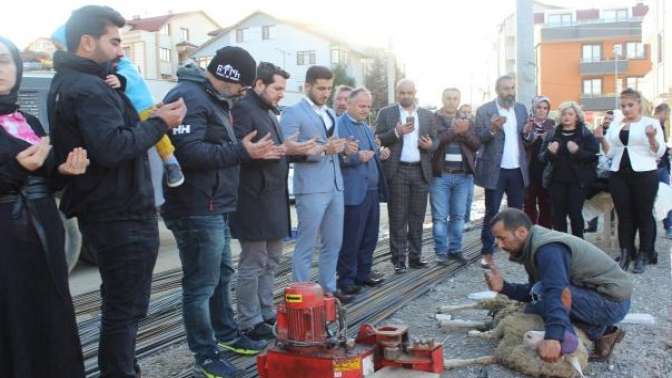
column 441, row 43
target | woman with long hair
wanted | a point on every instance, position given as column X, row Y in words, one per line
column 634, row 144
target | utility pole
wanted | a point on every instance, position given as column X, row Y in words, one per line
column 525, row 55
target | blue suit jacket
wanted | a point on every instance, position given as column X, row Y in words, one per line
column 489, row 158
column 355, row 179
column 315, row 174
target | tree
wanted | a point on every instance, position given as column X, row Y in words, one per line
column 341, row 76
column 376, row 81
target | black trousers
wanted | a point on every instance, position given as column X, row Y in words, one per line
column 634, row 194
column 127, row 252
column 567, row 201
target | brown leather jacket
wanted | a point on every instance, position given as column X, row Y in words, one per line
column 468, row 142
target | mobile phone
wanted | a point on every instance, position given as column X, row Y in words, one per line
column 410, row 120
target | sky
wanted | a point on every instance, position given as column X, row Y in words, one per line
column 440, row 43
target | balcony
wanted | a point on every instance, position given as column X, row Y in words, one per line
column 602, row 29
column 599, row 103
column 604, row 67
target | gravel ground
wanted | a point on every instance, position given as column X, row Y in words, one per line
column 645, row 352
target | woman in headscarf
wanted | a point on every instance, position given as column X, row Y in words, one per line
column 38, row 331
column 537, row 200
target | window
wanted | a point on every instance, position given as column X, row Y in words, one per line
column 185, row 34
column 305, row 58
column 632, row 82
column 335, row 56
column 591, row 53
column 615, row 14
column 618, row 51
column 267, row 31
column 165, row 29
column 560, row 19
column 619, row 85
column 660, row 48
column 634, row 50
column 127, row 52
column 592, row 87
column 240, row 35
column 164, row 54
column 203, row 61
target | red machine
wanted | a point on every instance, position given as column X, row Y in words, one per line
column 311, row 342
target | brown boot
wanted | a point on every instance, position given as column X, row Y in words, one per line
column 605, row 344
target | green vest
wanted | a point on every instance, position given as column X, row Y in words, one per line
column 589, row 268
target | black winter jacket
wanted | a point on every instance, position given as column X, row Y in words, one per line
column 86, row 112
column 208, row 153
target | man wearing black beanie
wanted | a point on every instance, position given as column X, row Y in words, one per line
column 197, row 212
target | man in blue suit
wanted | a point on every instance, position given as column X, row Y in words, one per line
column 364, row 187
column 501, row 163
column 318, row 183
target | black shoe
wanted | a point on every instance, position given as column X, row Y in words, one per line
column 418, row 264
column 373, row 280
column 270, row 322
column 376, row 274
column 261, row 331
column 343, row 297
column 458, row 257
column 639, row 264
column 624, row 259
column 351, row 289
column 652, row 258
column 400, row 268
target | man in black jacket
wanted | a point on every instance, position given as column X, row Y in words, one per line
column 114, row 199
column 262, row 218
column 197, row 212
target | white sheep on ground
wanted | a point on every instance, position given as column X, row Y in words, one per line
column 517, row 335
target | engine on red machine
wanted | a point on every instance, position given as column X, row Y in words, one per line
column 304, row 317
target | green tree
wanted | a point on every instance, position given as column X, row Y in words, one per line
column 341, row 76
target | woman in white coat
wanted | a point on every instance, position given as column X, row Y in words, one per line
column 634, row 144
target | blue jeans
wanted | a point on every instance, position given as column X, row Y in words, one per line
column 470, row 201
column 592, row 311
column 510, row 182
column 664, row 176
column 203, row 242
column 449, row 195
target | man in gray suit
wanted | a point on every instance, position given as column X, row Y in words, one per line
column 501, row 163
column 410, row 134
column 318, row 184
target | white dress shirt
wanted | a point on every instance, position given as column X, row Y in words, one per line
column 410, row 152
column 322, row 112
column 642, row 159
column 511, row 153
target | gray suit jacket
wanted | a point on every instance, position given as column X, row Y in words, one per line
column 315, row 174
column 387, row 120
column 489, row 157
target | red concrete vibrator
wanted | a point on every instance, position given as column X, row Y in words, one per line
column 311, row 342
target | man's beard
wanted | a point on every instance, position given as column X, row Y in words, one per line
column 406, row 103
column 508, row 100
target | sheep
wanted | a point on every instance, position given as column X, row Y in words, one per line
column 517, row 335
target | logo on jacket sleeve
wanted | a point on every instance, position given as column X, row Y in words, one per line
column 228, row 72
column 182, row 129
